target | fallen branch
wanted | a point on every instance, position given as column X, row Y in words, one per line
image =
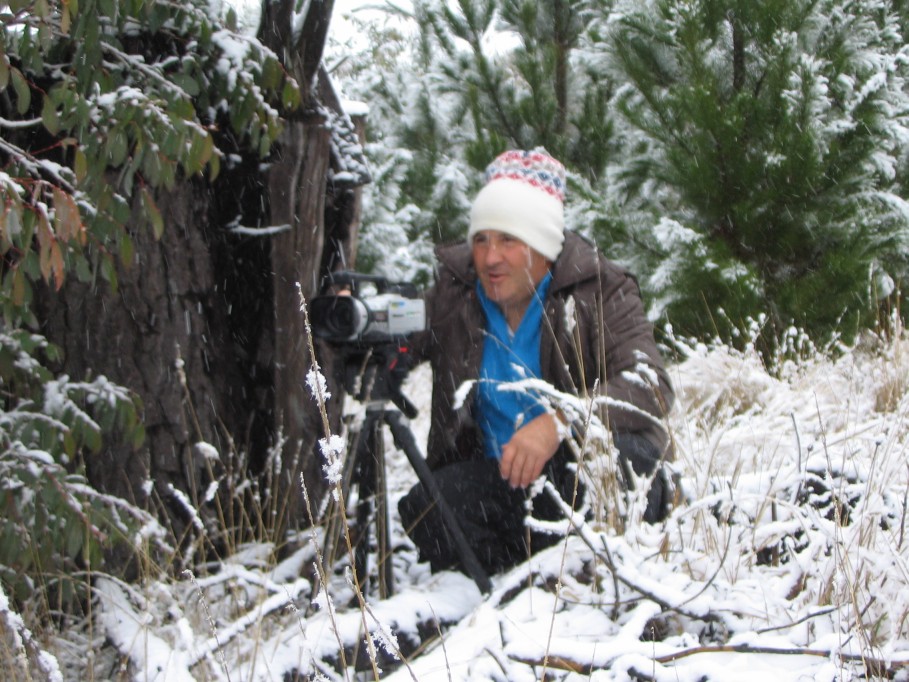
column 874, row 667
column 559, row 663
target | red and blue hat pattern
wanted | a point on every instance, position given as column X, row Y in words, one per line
column 533, row 167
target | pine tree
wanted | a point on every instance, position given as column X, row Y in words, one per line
column 479, row 78
column 768, row 140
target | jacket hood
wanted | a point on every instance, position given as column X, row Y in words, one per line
column 577, row 250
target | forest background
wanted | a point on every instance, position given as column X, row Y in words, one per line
column 747, row 160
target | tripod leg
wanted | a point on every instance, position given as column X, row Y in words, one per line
column 366, row 488
column 405, row 440
column 383, row 526
column 372, row 508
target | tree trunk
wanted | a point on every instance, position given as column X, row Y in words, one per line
column 205, row 327
column 296, row 188
column 166, row 333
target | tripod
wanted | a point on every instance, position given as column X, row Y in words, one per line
column 379, row 373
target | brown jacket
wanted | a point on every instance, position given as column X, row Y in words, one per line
column 615, row 339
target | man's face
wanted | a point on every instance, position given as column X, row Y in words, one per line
column 508, row 269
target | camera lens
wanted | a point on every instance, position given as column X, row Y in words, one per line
column 344, row 317
column 338, row 318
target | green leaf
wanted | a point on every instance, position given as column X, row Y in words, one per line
column 109, row 271
column 117, row 148
column 127, row 250
column 154, row 215
column 108, row 7
column 19, row 286
column 187, row 83
column 290, row 95
column 4, row 71
column 214, row 167
column 69, row 443
column 200, row 152
column 80, row 164
column 264, row 146
column 49, row 116
column 92, row 438
column 74, row 537
column 151, row 167
column 83, row 270
column 42, row 9
column 137, row 437
column 271, row 74
column 230, row 19
column 23, row 92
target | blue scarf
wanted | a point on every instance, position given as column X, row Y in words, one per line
column 508, row 357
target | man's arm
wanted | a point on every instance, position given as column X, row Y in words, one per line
column 636, row 379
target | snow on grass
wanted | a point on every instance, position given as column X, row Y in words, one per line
column 785, row 559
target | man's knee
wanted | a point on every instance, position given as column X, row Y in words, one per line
column 424, row 525
column 644, row 458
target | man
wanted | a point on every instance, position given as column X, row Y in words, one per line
column 524, row 298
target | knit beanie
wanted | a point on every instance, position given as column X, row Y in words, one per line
column 523, row 197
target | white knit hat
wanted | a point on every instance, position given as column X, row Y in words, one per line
column 523, row 197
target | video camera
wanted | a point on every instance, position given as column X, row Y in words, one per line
column 368, row 320
column 391, row 311
column 370, row 323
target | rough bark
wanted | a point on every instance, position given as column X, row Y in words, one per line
column 167, row 333
column 205, row 327
column 296, row 189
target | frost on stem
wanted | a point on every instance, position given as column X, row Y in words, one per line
column 332, row 448
column 318, row 386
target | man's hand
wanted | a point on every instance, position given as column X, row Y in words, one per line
column 525, row 455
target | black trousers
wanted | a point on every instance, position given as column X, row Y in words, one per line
column 491, row 514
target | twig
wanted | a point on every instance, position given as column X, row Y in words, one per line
column 34, row 166
column 801, row 620
column 903, row 518
column 441, row 640
column 321, row 574
column 581, row 525
column 574, row 501
column 211, row 624
column 802, row 473
column 877, row 664
column 388, row 639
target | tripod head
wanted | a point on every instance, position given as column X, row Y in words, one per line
column 375, row 372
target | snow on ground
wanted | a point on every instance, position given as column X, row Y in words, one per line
column 786, row 560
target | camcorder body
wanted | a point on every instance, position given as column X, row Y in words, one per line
column 389, row 312
column 369, row 319
column 366, row 310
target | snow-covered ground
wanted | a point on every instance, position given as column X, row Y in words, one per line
column 786, row 560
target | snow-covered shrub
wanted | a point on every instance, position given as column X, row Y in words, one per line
column 54, row 524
